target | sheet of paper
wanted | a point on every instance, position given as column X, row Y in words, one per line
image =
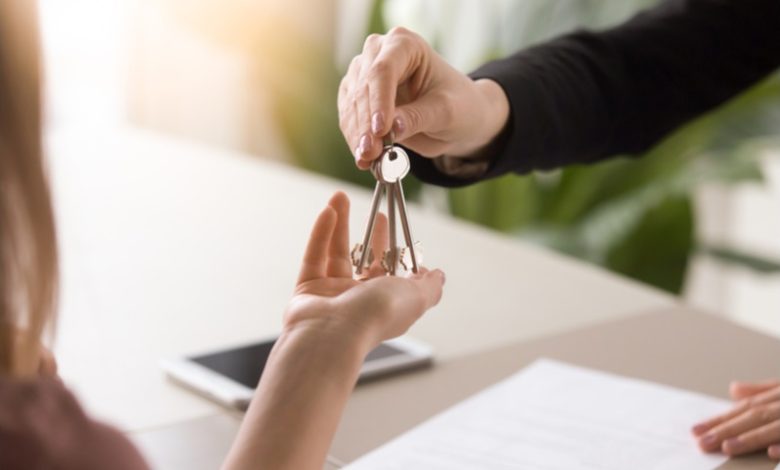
column 552, row 416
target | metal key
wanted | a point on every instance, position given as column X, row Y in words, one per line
column 389, row 169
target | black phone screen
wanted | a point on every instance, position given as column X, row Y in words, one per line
column 245, row 364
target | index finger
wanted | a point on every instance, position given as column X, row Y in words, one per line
column 704, row 426
column 394, row 63
column 773, row 394
column 750, row 419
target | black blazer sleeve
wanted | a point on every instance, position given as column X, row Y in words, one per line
column 587, row 96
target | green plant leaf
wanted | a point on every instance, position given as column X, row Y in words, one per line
column 656, row 251
column 503, row 204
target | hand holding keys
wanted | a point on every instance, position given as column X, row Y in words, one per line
column 389, row 169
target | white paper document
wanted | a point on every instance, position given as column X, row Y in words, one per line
column 552, row 416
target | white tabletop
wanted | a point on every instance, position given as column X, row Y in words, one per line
column 169, row 248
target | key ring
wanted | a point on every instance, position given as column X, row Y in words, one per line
column 388, row 141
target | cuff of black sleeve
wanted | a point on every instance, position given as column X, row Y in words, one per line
column 517, row 147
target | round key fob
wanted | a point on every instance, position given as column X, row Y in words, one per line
column 392, row 166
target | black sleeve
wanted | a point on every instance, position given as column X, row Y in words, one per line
column 588, row 96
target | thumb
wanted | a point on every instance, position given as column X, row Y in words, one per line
column 430, row 284
column 423, row 115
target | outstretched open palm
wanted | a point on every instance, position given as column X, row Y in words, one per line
column 327, row 291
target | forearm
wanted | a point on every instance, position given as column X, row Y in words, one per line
column 296, row 409
column 588, row 96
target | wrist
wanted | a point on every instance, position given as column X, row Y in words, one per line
column 495, row 112
column 350, row 338
column 492, row 115
column 306, row 382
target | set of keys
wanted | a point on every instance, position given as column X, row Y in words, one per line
column 389, row 169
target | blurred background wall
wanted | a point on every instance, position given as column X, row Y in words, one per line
column 699, row 215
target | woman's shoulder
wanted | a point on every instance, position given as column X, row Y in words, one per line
column 42, row 425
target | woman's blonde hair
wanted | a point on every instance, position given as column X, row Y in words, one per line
column 28, row 252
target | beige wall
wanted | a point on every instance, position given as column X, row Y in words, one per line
column 206, row 70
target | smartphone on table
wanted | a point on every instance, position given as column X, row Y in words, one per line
column 230, row 376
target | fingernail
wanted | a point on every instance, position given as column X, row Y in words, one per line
column 377, row 122
column 774, row 452
column 699, row 429
column 443, row 277
column 732, row 445
column 365, row 143
column 399, row 128
column 709, row 440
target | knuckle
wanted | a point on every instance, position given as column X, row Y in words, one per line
column 771, row 411
column 405, row 37
column 399, row 31
column 372, row 41
column 413, row 118
column 354, row 65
